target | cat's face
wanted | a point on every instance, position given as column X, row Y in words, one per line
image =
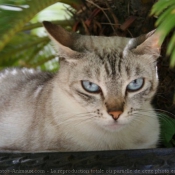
column 111, row 79
column 103, row 85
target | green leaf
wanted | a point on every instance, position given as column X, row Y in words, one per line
column 172, row 62
column 27, row 50
column 160, row 6
column 165, row 24
column 165, row 15
column 18, row 48
column 167, row 129
column 171, row 44
column 20, row 45
column 14, row 20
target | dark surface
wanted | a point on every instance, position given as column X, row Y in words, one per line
column 151, row 161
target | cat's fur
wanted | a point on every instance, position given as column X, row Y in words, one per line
column 44, row 112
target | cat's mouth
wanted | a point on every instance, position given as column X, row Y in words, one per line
column 114, row 126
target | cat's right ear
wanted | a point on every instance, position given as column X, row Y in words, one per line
column 63, row 42
column 146, row 44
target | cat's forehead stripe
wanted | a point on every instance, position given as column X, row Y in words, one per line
column 110, row 61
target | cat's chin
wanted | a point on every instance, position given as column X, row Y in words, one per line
column 113, row 126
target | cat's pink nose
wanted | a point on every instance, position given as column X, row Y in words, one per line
column 115, row 114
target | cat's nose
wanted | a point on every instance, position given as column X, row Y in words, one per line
column 115, row 114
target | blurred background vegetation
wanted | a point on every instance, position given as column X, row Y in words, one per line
column 24, row 42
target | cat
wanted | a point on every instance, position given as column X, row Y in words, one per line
column 100, row 98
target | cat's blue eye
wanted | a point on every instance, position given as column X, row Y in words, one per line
column 90, row 87
column 135, row 85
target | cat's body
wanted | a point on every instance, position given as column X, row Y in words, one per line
column 89, row 104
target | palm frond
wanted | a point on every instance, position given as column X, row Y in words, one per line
column 165, row 10
column 14, row 15
column 15, row 20
column 19, row 45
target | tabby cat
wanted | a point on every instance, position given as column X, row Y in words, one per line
column 100, row 99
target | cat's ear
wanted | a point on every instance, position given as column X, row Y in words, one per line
column 63, row 41
column 146, row 44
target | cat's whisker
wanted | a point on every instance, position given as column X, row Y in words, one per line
column 166, row 119
column 77, row 117
column 76, row 114
column 138, row 118
column 155, row 110
column 84, row 121
column 161, row 96
column 166, row 112
column 143, row 114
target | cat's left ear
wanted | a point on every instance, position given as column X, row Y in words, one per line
column 147, row 44
column 62, row 41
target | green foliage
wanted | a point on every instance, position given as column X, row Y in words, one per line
column 21, row 51
column 18, row 17
column 165, row 10
column 19, row 44
column 167, row 130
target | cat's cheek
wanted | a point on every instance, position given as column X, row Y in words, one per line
column 133, row 102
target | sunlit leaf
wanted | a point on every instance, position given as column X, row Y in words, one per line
column 165, row 15
column 14, row 20
column 161, row 5
column 171, row 45
column 20, row 43
column 172, row 62
column 165, row 10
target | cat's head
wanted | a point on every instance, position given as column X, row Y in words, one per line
column 112, row 78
